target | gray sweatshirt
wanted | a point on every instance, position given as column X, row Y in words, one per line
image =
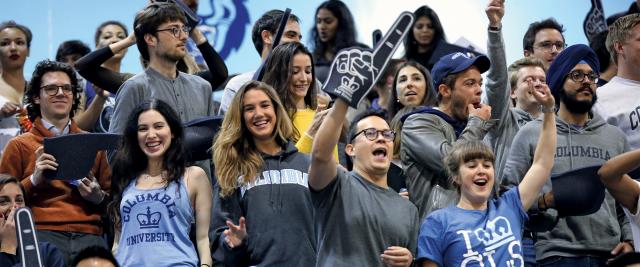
column 595, row 143
column 497, row 92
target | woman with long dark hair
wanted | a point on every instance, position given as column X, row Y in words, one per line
column 291, row 73
column 424, row 37
column 412, row 87
column 265, row 215
column 334, row 30
column 155, row 194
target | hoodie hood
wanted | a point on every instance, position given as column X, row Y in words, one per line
column 458, row 126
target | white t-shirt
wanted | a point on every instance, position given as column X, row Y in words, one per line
column 232, row 87
column 619, row 104
column 634, row 220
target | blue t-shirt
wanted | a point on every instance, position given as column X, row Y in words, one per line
column 491, row 237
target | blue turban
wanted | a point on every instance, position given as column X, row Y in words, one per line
column 566, row 61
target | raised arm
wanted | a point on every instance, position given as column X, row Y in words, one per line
column 497, row 85
column 90, row 67
column 543, row 158
column 323, row 167
column 217, row 73
column 620, row 185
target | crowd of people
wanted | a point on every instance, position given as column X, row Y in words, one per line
column 434, row 165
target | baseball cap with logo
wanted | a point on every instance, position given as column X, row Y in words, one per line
column 455, row 63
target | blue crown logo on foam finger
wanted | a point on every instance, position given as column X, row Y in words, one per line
column 498, row 232
column 149, row 220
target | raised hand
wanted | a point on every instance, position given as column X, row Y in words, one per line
column 236, row 234
column 9, row 109
column 483, row 112
column 495, row 12
column 355, row 70
column 397, row 257
column 542, row 94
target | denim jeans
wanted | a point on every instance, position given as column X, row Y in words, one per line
column 529, row 252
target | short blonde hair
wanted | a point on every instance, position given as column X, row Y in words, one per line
column 620, row 32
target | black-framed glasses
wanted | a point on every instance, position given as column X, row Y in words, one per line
column 548, row 46
column 176, row 31
column 578, row 76
column 52, row 89
column 372, row 134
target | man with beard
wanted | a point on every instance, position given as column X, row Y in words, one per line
column 161, row 35
column 429, row 133
column 584, row 139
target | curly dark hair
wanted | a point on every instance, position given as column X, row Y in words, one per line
column 346, row 33
column 130, row 161
column 278, row 73
column 33, row 89
column 410, row 43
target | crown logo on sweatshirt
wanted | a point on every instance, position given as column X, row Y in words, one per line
column 497, row 233
column 149, row 220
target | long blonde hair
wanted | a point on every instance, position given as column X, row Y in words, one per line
column 234, row 152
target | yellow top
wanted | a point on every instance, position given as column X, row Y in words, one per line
column 302, row 121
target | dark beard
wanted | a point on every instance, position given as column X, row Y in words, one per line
column 576, row 106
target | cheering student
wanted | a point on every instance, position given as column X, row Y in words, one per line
column 156, row 197
column 263, row 214
column 478, row 229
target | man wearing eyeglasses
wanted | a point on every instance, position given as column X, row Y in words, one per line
column 67, row 214
column 429, row 133
column 584, row 139
column 161, row 35
column 544, row 40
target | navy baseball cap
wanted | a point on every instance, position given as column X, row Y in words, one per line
column 457, row 62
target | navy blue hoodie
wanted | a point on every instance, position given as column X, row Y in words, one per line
column 278, row 211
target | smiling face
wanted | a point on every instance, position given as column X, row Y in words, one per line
column 259, row 115
column 475, row 178
column 423, row 31
column 10, row 198
column 371, row 157
column 57, row 106
column 326, row 24
column 467, row 90
column 522, row 93
column 301, row 77
column 411, row 86
column 154, row 134
column 168, row 46
column 13, row 48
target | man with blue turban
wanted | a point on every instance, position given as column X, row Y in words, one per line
column 584, row 139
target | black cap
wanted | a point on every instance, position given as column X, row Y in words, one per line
column 198, row 137
column 578, row 192
column 76, row 153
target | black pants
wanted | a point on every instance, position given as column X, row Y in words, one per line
column 70, row 243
